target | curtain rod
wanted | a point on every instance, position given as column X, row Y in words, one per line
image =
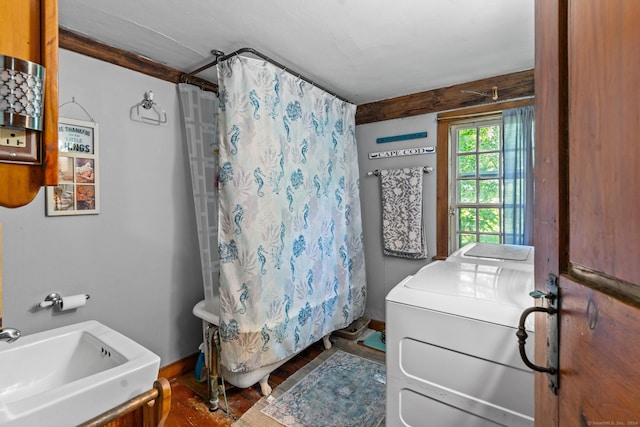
column 221, row 57
column 471, row 115
column 499, row 109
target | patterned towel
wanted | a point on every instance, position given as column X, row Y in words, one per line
column 402, row 224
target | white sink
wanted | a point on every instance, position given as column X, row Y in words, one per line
column 65, row 376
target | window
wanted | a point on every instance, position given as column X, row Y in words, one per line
column 476, row 182
column 470, row 176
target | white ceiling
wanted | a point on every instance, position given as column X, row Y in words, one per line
column 363, row 50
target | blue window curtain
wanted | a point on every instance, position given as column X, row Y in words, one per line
column 518, row 145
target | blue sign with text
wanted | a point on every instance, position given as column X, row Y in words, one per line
column 401, row 137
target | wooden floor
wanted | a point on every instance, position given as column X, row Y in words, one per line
column 189, row 407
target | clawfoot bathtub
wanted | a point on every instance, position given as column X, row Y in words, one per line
column 210, row 318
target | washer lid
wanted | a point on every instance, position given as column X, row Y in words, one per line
column 483, row 292
column 511, row 256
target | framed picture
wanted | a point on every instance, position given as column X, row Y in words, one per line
column 78, row 190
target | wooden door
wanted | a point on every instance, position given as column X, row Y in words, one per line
column 587, row 213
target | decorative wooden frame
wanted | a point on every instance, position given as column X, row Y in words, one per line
column 149, row 409
column 78, row 190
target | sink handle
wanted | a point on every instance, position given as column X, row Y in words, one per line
column 9, row 334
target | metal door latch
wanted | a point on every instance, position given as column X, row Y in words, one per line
column 553, row 355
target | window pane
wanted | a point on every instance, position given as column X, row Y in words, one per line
column 467, row 191
column 465, row 239
column 467, row 166
column 490, row 138
column 489, row 238
column 466, row 140
column 489, row 220
column 489, row 165
column 490, row 191
column 467, row 219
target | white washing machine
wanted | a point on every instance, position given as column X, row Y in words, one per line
column 452, row 353
column 511, row 256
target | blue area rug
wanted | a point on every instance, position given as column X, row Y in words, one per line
column 344, row 391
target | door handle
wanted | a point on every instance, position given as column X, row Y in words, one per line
column 553, row 355
column 522, row 339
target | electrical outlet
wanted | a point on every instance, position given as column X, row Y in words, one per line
column 19, row 146
column 13, row 137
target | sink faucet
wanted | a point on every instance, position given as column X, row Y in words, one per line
column 9, row 334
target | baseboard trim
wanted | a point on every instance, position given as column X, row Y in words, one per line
column 179, row 367
column 377, row 325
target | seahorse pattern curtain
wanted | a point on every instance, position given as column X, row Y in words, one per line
column 200, row 119
column 518, row 143
column 290, row 233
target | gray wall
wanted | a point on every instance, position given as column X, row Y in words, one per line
column 138, row 259
column 384, row 272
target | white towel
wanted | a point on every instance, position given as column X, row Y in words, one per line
column 402, row 223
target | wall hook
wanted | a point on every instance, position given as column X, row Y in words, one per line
column 155, row 115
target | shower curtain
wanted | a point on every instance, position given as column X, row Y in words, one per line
column 200, row 120
column 290, row 233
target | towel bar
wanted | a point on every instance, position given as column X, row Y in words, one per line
column 426, row 169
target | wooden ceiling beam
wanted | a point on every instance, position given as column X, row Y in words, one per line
column 94, row 49
column 510, row 86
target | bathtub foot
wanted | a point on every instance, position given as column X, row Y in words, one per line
column 264, row 385
column 326, row 341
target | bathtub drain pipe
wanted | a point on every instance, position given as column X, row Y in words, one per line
column 216, row 340
column 213, row 374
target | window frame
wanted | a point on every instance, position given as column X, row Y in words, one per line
column 445, row 120
column 454, row 203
